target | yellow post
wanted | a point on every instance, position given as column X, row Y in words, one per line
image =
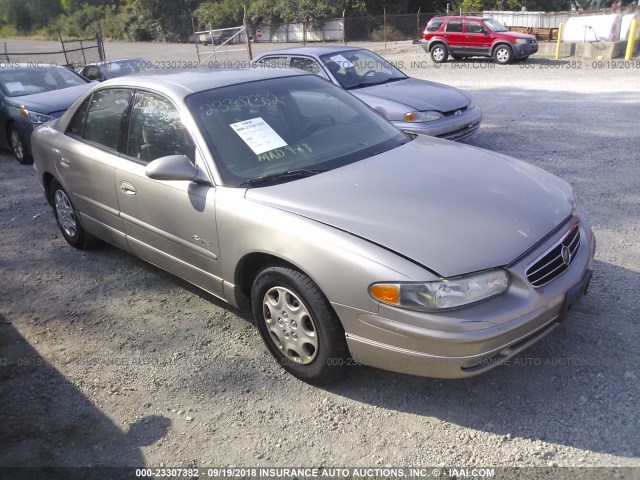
column 632, row 39
column 559, row 41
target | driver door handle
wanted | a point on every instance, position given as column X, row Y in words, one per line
column 127, row 188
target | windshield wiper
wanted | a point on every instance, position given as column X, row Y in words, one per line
column 297, row 173
column 368, row 84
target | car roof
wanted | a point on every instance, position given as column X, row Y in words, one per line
column 313, row 50
column 106, row 62
column 183, row 83
column 457, row 17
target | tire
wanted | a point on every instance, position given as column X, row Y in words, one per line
column 67, row 220
column 503, row 54
column 439, row 53
column 298, row 325
column 17, row 144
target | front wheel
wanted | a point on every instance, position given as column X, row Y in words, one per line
column 298, row 325
column 67, row 220
column 18, row 146
column 439, row 53
column 503, row 54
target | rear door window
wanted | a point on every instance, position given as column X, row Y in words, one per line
column 454, row 26
column 103, row 117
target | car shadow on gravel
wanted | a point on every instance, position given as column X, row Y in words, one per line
column 577, row 387
column 47, row 421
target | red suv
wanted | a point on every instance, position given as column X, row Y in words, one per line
column 463, row 37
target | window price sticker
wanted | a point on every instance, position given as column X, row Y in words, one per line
column 258, row 135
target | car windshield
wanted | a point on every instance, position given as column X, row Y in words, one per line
column 360, row 68
column 17, row 82
column 494, row 25
column 287, row 127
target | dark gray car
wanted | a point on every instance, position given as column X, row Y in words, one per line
column 413, row 105
column 102, row 71
column 352, row 241
column 31, row 95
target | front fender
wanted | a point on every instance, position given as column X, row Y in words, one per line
column 341, row 264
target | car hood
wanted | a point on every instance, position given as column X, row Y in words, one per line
column 452, row 208
column 417, row 94
column 54, row 102
column 515, row 35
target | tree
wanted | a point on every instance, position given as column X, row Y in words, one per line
column 220, row 14
column 29, row 15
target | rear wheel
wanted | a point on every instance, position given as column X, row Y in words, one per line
column 503, row 54
column 18, row 146
column 67, row 220
column 298, row 325
column 439, row 53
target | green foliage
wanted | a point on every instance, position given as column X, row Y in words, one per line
column 29, row 15
column 170, row 20
column 315, row 12
column 79, row 24
column 220, row 14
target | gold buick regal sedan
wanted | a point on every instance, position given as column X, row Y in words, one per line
column 353, row 241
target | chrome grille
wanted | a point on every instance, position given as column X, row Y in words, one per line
column 556, row 260
column 453, row 112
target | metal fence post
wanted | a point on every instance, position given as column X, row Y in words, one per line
column 559, row 42
column 344, row 27
column 195, row 38
column 66, row 60
column 84, row 57
column 384, row 27
column 245, row 23
column 631, row 41
column 100, row 43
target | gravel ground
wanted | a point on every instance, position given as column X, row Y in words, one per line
column 106, row 360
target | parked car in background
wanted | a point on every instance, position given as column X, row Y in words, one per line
column 352, row 241
column 30, row 96
column 102, row 71
column 415, row 106
column 463, row 37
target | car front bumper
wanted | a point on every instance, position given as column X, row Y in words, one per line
column 451, row 127
column 521, row 50
column 472, row 340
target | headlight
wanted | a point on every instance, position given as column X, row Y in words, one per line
column 521, row 40
column 427, row 116
column 471, row 105
column 35, row 117
column 442, row 294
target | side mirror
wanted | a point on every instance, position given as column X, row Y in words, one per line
column 175, row 167
column 482, row 30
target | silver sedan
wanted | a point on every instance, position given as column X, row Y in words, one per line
column 352, row 241
column 413, row 105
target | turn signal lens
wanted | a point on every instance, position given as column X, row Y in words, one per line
column 426, row 116
column 387, row 293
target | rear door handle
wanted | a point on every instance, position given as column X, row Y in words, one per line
column 127, row 188
column 65, row 162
